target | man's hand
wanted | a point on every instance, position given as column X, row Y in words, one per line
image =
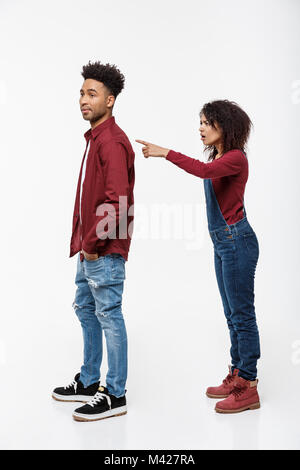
column 89, row 256
column 151, row 150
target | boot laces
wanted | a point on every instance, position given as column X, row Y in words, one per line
column 72, row 384
column 228, row 379
column 98, row 398
column 238, row 390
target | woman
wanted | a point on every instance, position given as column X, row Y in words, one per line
column 224, row 129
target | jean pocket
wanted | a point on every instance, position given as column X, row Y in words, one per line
column 251, row 244
column 224, row 236
column 93, row 266
column 118, row 268
column 93, row 261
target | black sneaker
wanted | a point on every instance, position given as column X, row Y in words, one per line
column 75, row 391
column 103, row 405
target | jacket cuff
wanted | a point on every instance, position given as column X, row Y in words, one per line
column 91, row 248
column 170, row 155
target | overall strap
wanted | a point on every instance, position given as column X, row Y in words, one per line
column 245, row 214
column 215, row 217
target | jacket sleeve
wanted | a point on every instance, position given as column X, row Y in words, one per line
column 113, row 209
column 229, row 164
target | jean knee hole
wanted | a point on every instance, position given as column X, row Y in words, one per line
column 101, row 314
column 92, row 283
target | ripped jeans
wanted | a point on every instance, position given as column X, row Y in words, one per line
column 98, row 305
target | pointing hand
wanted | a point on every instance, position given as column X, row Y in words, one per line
column 151, row 150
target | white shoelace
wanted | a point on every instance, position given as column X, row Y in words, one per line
column 97, row 398
column 72, row 384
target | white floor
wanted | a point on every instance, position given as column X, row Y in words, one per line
column 167, row 406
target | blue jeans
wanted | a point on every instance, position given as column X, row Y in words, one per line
column 98, row 305
column 236, row 252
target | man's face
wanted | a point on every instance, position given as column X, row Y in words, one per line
column 95, row 100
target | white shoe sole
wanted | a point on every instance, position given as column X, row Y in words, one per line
column 72, row 398
column 121, row 410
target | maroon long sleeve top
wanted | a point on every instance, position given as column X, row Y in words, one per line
column 229, row 175
column 107, row 193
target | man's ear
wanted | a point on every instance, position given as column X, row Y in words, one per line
column 110, row 101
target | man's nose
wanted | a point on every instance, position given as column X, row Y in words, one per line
column 82, row 101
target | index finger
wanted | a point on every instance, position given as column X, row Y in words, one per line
column 142, row 142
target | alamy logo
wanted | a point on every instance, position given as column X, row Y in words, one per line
column 181, row 221
column 296, row 354
column 296, row 92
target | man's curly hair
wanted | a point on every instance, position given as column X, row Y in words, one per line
column 108, row 74
column 233, row 121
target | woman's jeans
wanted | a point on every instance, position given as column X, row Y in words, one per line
column 98, row 305
column 236, row 252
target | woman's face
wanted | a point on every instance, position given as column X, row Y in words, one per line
column 210, row 135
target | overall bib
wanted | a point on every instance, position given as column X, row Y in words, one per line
column 236, row 253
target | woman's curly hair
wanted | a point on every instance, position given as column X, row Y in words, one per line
column 108, row 74
column 235, row 125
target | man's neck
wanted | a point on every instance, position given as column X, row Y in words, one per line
column 102, row 119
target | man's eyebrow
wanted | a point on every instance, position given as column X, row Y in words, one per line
column 90, row 89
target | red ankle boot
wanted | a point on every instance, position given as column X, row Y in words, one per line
column 223, row 391
column 243, row 397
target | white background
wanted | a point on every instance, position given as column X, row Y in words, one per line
column 175, row 56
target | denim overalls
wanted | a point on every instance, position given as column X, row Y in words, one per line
column 236, row 252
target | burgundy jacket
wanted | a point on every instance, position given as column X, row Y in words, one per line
column 106, row 224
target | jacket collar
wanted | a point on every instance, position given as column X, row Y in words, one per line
column 99, row 129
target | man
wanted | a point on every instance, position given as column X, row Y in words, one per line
column 102, row 229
